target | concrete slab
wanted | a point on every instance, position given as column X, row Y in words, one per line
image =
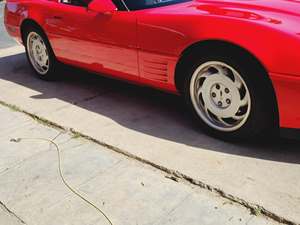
column 8, row 219
column 128, row 191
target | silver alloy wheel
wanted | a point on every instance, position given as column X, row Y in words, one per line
column 220, row 96
column 38, row 53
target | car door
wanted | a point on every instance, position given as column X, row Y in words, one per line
column 99, row 41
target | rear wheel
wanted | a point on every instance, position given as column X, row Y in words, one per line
column 40, row 54
column 228, row 98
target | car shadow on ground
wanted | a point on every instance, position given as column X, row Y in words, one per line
column 147, row 111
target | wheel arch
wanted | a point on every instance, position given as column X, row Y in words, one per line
column 201, row 47
column 29, row 23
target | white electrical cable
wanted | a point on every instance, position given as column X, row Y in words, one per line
column 61, row 173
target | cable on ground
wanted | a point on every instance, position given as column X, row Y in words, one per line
column 61, row 173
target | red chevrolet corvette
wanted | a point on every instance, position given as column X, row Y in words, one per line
column 236, row 62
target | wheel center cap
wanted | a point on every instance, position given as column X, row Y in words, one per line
column 220, row 95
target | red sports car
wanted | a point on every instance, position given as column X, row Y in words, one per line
column 236, row 62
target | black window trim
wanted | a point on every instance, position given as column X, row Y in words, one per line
column 160, row 5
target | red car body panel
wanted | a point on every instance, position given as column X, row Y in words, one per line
column 144, row 46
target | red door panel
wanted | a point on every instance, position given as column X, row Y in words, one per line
column 96, row 41
column 157, row 56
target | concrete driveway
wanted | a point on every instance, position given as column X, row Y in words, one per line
column 154, row 128
column 127, row 191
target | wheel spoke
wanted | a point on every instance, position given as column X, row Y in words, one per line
column 199, row 91
column 219, row 68
column 244, row 101
column 44, row 49
column 238, row 83
column 238, row 117
column 224, row 122
column 207, row 113
column 205, row 75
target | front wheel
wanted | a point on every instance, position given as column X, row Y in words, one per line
column 228, row 99
column 40, row 54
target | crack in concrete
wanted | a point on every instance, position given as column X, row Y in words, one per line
column 91, row 97
column 12, row 213
column 21, row 162
column 253, row 208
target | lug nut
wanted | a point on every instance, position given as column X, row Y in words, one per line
column 226, row 90
column 220, row 103
column 228, row 101
column 218, row 86
column 213, row 94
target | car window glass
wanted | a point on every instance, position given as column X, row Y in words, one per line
column 146, row 4
column 76, row 2
column 120, row 5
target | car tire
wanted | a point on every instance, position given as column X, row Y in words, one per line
column 40, row 54
column 230, row 97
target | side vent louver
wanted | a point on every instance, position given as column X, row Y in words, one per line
column 155, row 70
